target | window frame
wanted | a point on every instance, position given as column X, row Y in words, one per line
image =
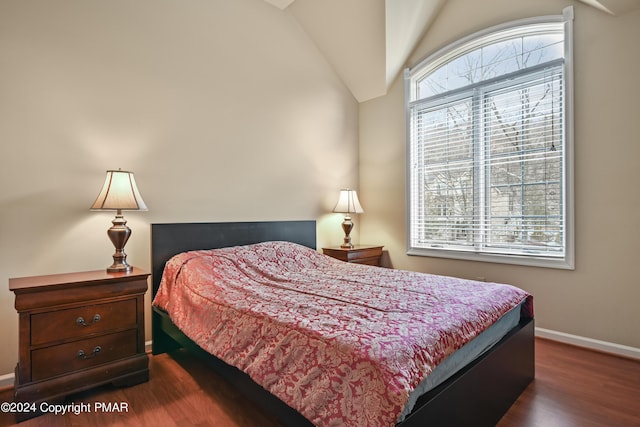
column 443, row 56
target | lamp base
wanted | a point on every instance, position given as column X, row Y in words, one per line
column 347, row 226
column 119, row 267
column 119, row 234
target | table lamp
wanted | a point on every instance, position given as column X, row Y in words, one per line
column 119, row 193
column 348, row 203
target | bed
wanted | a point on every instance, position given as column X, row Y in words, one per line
column 478, row 394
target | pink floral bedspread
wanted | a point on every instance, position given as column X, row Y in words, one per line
column 343, row 344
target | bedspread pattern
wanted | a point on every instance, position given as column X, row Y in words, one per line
column 343, row 344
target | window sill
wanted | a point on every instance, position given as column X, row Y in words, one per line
column 531, row 261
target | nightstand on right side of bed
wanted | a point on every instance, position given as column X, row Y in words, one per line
column 360, row 254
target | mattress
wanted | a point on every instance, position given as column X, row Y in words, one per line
column 463, row 356
column 343, row 344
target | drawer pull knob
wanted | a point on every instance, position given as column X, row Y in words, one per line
column 94, row 353
column 81, row 322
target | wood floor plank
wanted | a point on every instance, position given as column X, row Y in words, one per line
column 573, row 387
column 578, row 387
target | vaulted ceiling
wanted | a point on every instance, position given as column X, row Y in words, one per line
column 368, row 41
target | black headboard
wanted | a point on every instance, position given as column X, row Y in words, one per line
column 168, row 240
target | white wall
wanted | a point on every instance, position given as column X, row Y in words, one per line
column 598, row 300
column 225, row 111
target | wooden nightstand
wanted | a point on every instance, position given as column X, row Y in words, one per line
column 78, row 331
column 360, row 254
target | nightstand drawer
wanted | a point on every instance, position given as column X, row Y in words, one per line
column 78, row 322
column 364, row 257
column 61, row 359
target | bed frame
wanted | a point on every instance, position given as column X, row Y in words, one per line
column 477, row 395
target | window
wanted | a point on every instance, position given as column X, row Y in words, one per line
column 489, row 147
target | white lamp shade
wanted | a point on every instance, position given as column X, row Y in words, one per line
column 119, row 192
column 348, row 202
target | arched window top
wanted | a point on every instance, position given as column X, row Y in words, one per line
column 491, row 54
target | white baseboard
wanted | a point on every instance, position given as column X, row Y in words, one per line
column 604, row 346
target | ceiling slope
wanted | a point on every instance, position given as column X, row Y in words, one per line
column 351, row 35
column 614, row 7
column 367, row 42
column 280, row 4
column 406, row 24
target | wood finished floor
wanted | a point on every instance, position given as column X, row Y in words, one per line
column 573, row 387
